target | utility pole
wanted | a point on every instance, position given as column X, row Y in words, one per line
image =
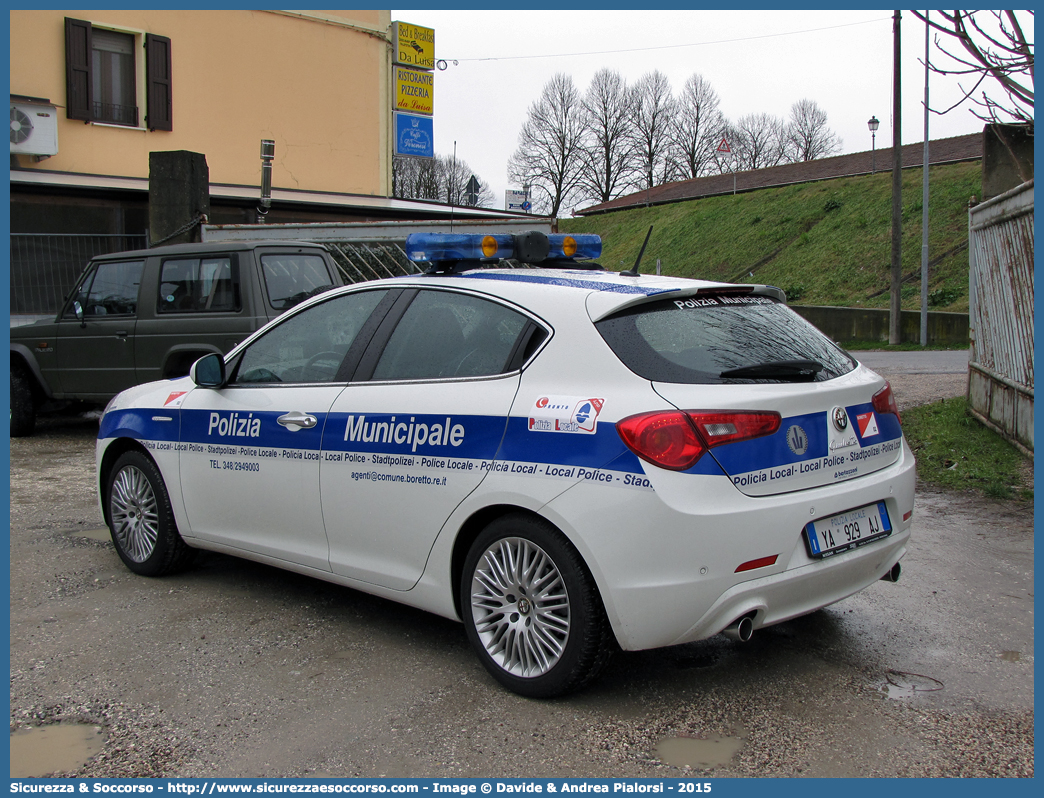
column 895, row 307
column 924, row 200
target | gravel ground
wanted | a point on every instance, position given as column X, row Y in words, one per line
column 912, row 390
column 236, row 669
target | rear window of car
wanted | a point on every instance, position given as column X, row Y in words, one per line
column 199, row 285
column 694, row 340
column 293, row 277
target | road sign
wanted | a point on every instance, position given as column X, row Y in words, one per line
column 724, row 146
column 414, row 45
column 414, row 91
column 414, row 135
column 471, row 191
column 517, row 201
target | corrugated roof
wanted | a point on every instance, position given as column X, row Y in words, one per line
column 950, row 150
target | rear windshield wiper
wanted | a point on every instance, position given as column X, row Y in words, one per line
column 792, row 370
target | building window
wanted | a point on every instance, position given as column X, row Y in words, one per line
column 112, row 76
column 100, row 67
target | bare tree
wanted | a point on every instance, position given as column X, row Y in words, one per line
column 456, row 174
column 441, row 179
column 698, row 128
column 808, row 136
column 416, row 178
column 995, row 46
column 608, row 152
column 549, row 156
column 761, row 141
column 653, row 123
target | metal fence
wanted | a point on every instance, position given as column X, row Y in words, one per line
column 361, row 260
column 369, row 250
column 44, row 268
column 1000, row 375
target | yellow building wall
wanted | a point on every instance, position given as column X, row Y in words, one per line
column 310, row 80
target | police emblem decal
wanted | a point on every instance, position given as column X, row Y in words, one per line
column 797, row 440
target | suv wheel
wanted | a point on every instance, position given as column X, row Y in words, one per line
column 23, row 410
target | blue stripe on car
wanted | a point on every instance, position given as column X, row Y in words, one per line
column 772, row 450
column 478, row 437
column 139, row 424
column 567, row 282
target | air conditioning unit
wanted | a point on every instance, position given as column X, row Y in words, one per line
column 34, row 129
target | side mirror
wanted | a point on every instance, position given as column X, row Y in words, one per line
column 78, row 310
column 209, row 372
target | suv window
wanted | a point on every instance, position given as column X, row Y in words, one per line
column 292, row 278
column 694, row 340
column 110, row 290
column 444, row 334
column 198, row 285
column 309, row 346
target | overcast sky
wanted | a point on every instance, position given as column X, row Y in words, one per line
column 757, row 61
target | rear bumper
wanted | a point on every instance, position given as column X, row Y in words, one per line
column 665, row 561
column 799, row 591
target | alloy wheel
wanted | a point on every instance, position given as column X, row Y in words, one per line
column 134, row 512
column 520, row 606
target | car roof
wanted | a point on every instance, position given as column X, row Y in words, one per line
column 602, row 292
column 206, row 247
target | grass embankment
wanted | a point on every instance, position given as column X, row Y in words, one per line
column 956, row 452
column 829, row 243
column 824, row 243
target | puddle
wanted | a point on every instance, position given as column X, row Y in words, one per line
column 1011, row 656
column 42, row 750
column 698, row 752
column 902, row 686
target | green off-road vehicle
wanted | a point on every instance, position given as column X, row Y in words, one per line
column 145, row 315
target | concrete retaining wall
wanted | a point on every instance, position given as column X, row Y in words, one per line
column 871, row 324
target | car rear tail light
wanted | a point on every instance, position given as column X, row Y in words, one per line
column 676, row 440
column 718, row 428
column 667, row 440
column 884, row 402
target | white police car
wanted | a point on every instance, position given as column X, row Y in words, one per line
column 564, row 458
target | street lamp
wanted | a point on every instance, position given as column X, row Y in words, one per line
column 874, row 123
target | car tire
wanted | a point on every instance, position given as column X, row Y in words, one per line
column 23, row 409
column 532, row 610
column 140, row 518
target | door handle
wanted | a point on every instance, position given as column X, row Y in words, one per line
column 121, row 333
column 295, row 420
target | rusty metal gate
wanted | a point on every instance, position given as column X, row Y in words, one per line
column 1000, row 284
column 369, row 250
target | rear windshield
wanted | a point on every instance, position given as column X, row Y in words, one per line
column 293, row 277
column 694, row 340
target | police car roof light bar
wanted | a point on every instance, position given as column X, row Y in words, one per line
column 454, row 252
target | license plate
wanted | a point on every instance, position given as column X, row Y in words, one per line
column 847, row 530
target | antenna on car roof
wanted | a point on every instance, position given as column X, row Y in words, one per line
column 633, row 271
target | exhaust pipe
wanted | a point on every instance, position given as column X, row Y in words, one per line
column 741, row 629
column 892, row 574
